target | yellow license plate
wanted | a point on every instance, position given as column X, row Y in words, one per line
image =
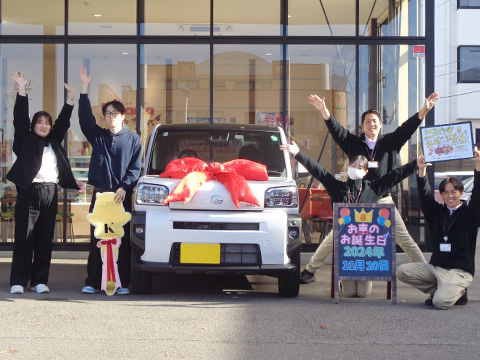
column 199, row 253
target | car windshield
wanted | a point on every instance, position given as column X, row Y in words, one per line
column 218, row 146
column 468, row 185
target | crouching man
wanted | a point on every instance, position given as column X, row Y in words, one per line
column 453, row 227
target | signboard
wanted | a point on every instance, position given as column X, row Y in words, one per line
column 364, row 244
column 447, row 142
column 418, row 50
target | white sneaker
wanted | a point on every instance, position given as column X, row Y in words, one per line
column 40, row 289
column 16, row 289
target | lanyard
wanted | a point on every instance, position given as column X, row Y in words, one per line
column 446, row 229
column 359, row 193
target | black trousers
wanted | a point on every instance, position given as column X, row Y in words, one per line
column 94, row 264
column 35, row 213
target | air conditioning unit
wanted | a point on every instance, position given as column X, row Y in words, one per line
column 204, row 28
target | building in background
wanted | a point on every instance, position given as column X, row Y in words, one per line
column 241, row 61
column 457, row 69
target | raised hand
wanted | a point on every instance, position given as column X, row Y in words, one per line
column 422, row 165
column 85, row 78
column 70, row 90
column 21, row 81
column 428, row 105
column 292, row 149
column 319, row 104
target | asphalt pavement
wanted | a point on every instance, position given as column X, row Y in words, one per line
column 200, row 317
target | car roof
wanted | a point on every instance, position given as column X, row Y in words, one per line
column 218, row 126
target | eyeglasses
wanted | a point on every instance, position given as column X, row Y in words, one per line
column 112, row 113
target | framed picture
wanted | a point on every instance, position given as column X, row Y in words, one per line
column 447, row 142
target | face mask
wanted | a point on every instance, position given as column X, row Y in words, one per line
column 355, row 174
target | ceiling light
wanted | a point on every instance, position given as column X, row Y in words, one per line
column 97, row 15
column 124, row 53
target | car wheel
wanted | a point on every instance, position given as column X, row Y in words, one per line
column 140, row 282
column 289, row 285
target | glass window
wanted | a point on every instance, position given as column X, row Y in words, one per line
column 26, row 17
column 42, row 65
column 392, row 18
column 321, row 18
column 469, row 64
column 247, row 85
column 106, row 17
column 329, row 72
column 391, row 80
column 247, row 17
column 176, row 88
column 166, row 17
column 468, row 4
column 113, row 70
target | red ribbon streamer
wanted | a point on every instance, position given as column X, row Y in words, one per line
column 110, row 266
column 233, row 174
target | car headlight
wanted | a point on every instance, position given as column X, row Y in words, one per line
column 149, row 194
column 281, row 197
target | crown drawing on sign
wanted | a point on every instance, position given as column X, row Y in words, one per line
column 363, row 216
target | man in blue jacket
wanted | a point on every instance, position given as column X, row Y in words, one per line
column 114, row 167
column 454, row 228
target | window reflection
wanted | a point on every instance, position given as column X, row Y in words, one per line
column 176, row 86
column 387, row 18
column 26, row 17
column 247, row 86
column 166, row 17
column 105, row 17
column 321, row 18
column 329, row 72
column 247, row 17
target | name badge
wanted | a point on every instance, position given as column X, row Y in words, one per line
column 445, row 247
column 373, row 164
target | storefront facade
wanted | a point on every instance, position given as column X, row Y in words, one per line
column 246, row 62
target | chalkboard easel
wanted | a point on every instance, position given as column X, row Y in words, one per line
column 364, row 245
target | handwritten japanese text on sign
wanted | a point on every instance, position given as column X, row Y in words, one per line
column 364, row 242
column 447, row 142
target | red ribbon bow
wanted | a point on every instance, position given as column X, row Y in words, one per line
column 110, row 266
column 233, row 174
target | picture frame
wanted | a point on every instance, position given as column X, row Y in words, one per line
column 447, row 142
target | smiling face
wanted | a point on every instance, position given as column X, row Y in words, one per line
column 42, row 126
column 451, row 196
column 371, row 126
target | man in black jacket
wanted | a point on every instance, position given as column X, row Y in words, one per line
column 454, row 227
column 381, row 151
column 355, row 190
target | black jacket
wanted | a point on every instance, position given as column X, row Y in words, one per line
column 386, row 149
column 462, row 232
column 355, row 191
column 29, row 147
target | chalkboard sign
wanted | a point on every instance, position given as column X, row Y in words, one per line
column 364, row 244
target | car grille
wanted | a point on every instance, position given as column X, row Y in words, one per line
column 193, row 225
column 230, row 254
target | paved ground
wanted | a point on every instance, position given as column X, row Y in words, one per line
column 236, row 318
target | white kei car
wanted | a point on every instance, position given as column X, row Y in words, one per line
column 209, row 234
